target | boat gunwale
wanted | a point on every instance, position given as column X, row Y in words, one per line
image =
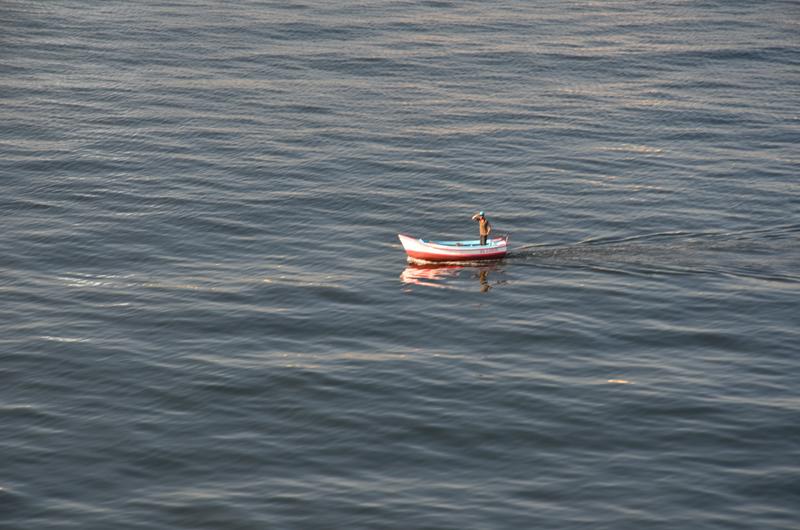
column 498, row 244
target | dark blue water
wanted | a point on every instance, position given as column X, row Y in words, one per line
column 207, row 321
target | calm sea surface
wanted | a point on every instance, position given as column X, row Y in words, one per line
column 207, row 321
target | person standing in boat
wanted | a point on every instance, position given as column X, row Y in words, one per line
column 483, row 226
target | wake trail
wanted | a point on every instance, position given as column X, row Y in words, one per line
column 765, row 253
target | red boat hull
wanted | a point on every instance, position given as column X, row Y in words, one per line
column 426, row 256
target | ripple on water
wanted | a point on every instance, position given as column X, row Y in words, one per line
column 206, row 319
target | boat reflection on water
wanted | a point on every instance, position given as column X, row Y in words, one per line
column 442, row 276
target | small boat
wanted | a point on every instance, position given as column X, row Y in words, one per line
column 469, row 250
